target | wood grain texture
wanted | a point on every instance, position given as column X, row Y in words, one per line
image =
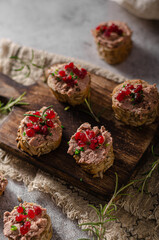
column 129, row 142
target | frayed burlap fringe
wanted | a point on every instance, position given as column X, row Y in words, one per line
column 138, row 216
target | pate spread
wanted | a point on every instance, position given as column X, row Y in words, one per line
column 140, row 98
column 90, row 145
column 111, row 34
column 25, row 222
column 36, row 131
column 68, row 79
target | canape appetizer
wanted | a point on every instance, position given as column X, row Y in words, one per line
column 92, row 149
column 135, row 102
column 69, row 83
column 3, row 184
column 113, row 40
column 28, row 221
column 39, row 132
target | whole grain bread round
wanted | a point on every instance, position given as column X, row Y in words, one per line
column 119, row 52
column 45, row 147
column 134, row 118
column 76, row 97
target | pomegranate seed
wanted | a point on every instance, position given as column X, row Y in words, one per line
column 20, row 209
column 62, row 73
column 83, row 72
column 30, row 132
column 50, row 123
column 27, row 224
column 92, row 146
column 19, row 218
column 76, row 71
column 127, row 92
column 50, row 114
column 24, row 229
column 29, row 124
column 90, row 134
column 77, row 136
column 64, row 79
column 37, row 210
column 98, row 27
column 44, row 130
column 71, row 65
column 100, row 139
column 138, row 89
column 36, row 128
column 81, row 144
column 120, row 96
column 31, row 213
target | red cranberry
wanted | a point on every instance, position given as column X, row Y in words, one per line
column 19, row 218
column 34, row 119
column 83, row 72
column 37, row 210
column 20, row 209
column 127, row 92
column 30, row 132
column 24, row 229
column 100, row 139
column 77, row 136
column 31, row 213
column 76, row 71
column 36, row 128
column 62, row 73
column 92, row 146
column 70, row 65
column 44, row 130
column 29, row 124
column 50, row 114
column 50, row 123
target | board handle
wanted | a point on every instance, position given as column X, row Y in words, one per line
column 10, row 88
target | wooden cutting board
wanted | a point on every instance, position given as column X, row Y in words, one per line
column 129, row 142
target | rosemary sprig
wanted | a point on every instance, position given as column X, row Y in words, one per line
column 26, row 64
column 91, row 111
column 18, row 101
column 104, row 214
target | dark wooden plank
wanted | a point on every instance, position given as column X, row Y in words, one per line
column 129, row 143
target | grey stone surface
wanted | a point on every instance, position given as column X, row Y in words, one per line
column 63, row 27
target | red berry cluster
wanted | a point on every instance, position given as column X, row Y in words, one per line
column 107, row 30
column 136, row 94
column 70, row 74
column 23, row 216
column 89, row 139
column 40, row 125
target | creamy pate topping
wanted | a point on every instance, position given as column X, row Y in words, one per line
column 68, row 78
column 91, row 145
column 112, row 33
column 26, row 221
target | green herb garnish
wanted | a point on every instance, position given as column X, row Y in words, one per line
column 62, row 127
column 18, row 101
column 24, row 133
column 77, row 152
column 82, row 149
column 66, row 108
column 13, row 228
column 81, row 179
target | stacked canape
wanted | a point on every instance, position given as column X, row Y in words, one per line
column 92, row 149
column 39, row 132
column 27, row 221
column 135, row 102
column 69, row 83
column 3, row 184
column 113, row 40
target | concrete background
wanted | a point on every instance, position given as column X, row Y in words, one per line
column 63, row 27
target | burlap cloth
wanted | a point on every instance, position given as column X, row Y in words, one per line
column 138, row 216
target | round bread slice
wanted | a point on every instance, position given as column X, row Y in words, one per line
column 135, row 102
column 69, row 83
column 36, row 224
column 39, row 135
column 92, row 149
column 3, row 184
column 113, row 41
